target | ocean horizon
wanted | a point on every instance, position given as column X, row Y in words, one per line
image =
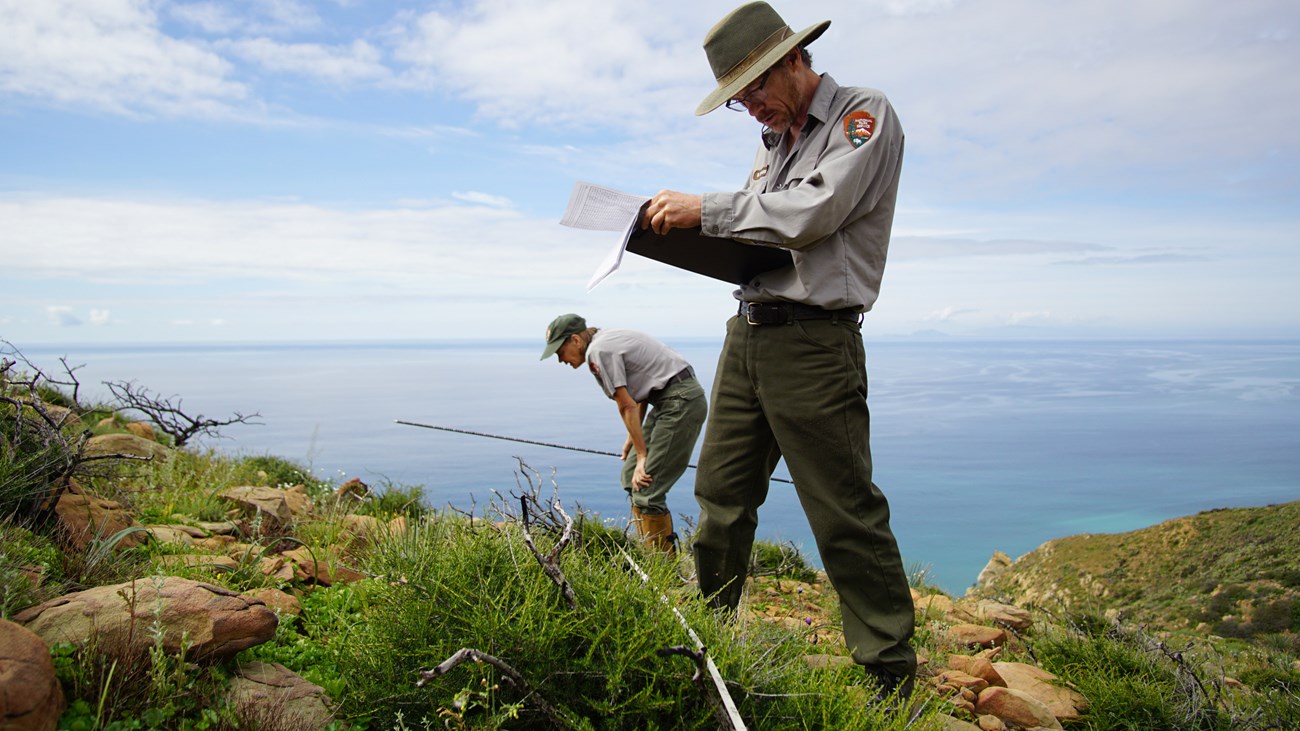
column 979, row 445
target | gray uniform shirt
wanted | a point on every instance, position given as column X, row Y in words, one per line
column 633, row 360
column 830, row 201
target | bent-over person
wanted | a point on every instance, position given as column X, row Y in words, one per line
column 660, row 404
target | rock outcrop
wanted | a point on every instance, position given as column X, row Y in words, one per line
column 31, row 698
column 125, row 444
column 210, row 622
column 84, row 517
column 1002, row 695
column 270, row 697
column 280, row 505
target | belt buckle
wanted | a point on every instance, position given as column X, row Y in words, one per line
column 750, row 309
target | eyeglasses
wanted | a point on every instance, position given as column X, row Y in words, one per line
column 741, row 104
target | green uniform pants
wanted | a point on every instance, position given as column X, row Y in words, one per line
column 799, row 390
column 676, row 416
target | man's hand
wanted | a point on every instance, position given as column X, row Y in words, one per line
column 627, row 448
column 639, row 478
column 669, row 209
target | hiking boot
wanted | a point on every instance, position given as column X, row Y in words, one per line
column 655, row 530
column 890, row 688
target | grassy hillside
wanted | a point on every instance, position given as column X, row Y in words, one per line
column 407, row 587
column 1228, row 572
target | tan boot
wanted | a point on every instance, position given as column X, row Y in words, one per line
column 656, row 531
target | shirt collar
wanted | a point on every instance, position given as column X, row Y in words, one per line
column 818, row 110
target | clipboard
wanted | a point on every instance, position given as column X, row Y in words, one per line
column 720, row 258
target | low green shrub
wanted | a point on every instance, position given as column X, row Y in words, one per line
column 780, row 561
column 30, row 569
column 1135, row 681
column 391, row 499
column 455, row 583
column 272, row 471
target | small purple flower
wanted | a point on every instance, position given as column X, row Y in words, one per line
column 807, row 621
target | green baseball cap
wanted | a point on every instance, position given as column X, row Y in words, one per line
column 559, row 330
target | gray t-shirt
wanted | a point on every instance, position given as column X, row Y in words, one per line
column 633, row 360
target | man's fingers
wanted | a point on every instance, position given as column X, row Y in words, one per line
column 661, row 224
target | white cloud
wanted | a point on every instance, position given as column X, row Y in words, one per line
column 929, row 247
column 484, row 199
column 949, row 313
column 1021, row 318
column 109, row 56
column 1164, row 258
column 999, row 98
column 100, row 317
column 566, row 62
column 62, row 316
column 351, row 64
column 1113, row 94
column 242, row 16
column 128, row 241
column 208, row 17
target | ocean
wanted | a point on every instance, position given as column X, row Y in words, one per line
column 979, row 445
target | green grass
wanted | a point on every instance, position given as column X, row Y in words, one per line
column 1135, row 680
column 454, row 581
column 22, row 554
column 1235, row 571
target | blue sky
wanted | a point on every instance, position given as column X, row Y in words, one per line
column 278, row 170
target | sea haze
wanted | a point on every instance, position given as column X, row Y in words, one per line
column 980, row 446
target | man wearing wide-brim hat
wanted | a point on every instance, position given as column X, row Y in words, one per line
column 791, row 380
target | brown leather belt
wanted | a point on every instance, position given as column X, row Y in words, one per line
column 785, row 313
column 684, row 374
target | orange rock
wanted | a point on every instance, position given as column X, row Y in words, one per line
column 1007, row 615
column 127, row 444
column 933, row 606
column 1064, row 703
column 959, row 679
column 977, row 635
column 140, row 429
column 84, row 517
column 280, row 505
column 276, row 600
column 209, row 621
column 1016, row 708
column 321, row 566
column 30, row 694
column 980, row 667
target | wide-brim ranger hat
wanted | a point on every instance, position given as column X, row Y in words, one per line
column 749, row 41
column 559, row 330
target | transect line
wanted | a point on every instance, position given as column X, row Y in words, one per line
column 733, row 714
column 537, row 443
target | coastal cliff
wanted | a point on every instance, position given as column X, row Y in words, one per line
column 1231, row 573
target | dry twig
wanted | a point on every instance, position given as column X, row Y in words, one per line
column 551, row 561
column 511, row 675
column 168, row 416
